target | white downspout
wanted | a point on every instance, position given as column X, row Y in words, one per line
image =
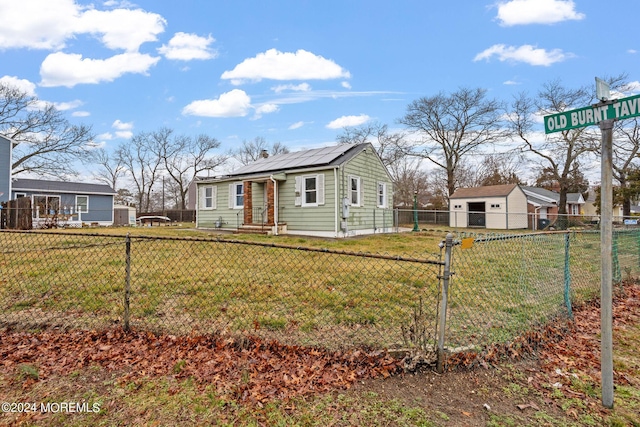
column 275, row 203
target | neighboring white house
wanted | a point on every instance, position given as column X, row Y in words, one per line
column 502, row 207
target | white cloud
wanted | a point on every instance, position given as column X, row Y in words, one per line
column 345, row 85
column 265, row 109
column 62, row 69
column 80, row 114
column 124, row 130
column 185, row 47
column 346, row 121
column 23, row 85
column 37, row 24
column 511, row 83
column 302, row 87
column 105, row 136
column 296, row 125
column 526, row 53
column 275, row 65
column 64, row 106
column 523, row 12
column 632, row 51
column 121, row 28
column 120, row 125
column 48, row 24
column 234, row 103
column 124, row 134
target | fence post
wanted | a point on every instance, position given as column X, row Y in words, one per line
column 396, row 219
column 127, row 282
column 567, row 276
column 442, row 324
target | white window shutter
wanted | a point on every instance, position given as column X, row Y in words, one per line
column 361, row 189
column 214, row 197
column 200, row 197
column 298, row 189
column 232, row 195
column 320, row 188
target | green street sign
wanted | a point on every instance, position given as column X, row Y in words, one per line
column 619, row 109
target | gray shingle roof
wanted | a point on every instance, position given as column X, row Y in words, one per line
column 31, row 185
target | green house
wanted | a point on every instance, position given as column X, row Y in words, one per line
column 336, row 191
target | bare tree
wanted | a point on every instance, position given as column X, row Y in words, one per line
column 406, row 173
column 453, row 127
column 185, row 157
column 111, row 167
column 143, row 164
column 48, row 143
column 250, row 151
column 388, row 145
column 557, row 153
column 626, row 148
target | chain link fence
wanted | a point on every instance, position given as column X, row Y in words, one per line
column 296, row 295
column 502, row 285
column 499, row 286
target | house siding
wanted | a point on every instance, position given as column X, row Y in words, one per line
column 308, row 218
column 100, row 206
column 5, row 169
column 229, row 217
column 517, row 205
column 368, row 215
column 509, row 212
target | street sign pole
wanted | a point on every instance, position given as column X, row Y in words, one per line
column 606, row 278
column 604, row 114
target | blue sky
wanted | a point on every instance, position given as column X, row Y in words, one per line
column 297, row 71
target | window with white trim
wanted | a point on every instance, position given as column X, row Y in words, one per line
column 82, row 204
column 355, row 190
column 495, row 205
column 236, row 195
column 45, row 206
column 382, row 195
column 208, row 197
column 309, row 190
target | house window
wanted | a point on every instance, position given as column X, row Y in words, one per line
column 82, row 204
column 236, row 195
column 45, row 206
column 20, row 195
column 354, row 190
column 309, row 190
column 575, row 209
column 495, row 205
column 382, row 195
column 208, row 197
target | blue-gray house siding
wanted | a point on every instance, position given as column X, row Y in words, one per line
column 6, row 146
column 88, row 203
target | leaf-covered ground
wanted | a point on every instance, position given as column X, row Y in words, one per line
column 143, row 379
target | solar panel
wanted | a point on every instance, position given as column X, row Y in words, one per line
column 298, row 159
